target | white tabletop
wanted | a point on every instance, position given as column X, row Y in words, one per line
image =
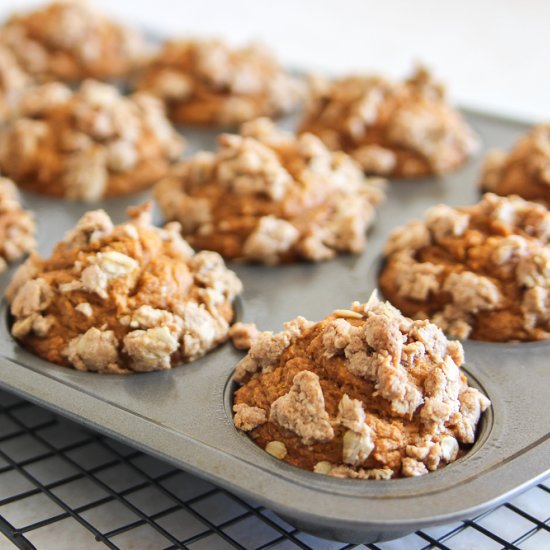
column 493, row 54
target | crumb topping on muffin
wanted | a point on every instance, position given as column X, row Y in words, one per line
column 481, row 272
column 120, row 299
column 209, row 82
column 13, row 79
column 87, row 144
column 524, row 171
column 270, row 197
column 400, row 129
column 368, row 395
column 71, row 40
column 17, row 227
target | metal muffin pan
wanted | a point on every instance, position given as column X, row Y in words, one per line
column 184, row 416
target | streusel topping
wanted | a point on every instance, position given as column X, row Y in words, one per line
column 71, row 40
column 396, row 129
column 366, row 393
column 270, row 197
column 13, row 79
column 120, row 299
column 209, row 82
column 87, row 144
column 481, row 272
column 524, row 171
column 17, row 227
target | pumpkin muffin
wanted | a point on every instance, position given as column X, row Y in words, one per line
column 524, row 171
column 70, row 41
column 480, row 272
column 267, row 196
column 365, row 393
column 398, row 129
column 17, row 228
column 206, row 82
column 122, row 299
column 87, row 144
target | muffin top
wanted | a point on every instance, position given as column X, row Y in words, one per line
column 365, row 393
column 121, row 299
column 399, row 129
column 268, row 196
column 209, row 82
column 17, row 228
column 71, row 40
column 86, row 144
column 481, row 271
column 524, row 171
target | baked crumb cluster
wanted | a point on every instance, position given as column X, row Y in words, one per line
column 267, row 196
column 71, row 40
column 13, row 79
column 208, row 82
column 403, row 129
column 121, row 299
column 524, row 171
column 366, row 393
column 17, row 227
column 479, row 272
column 87, row 144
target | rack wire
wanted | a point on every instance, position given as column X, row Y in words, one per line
column 63, row 486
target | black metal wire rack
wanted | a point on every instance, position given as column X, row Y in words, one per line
column 62, row 486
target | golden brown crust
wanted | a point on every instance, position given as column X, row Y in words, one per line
column 70, row 41
column 17, row 227
column 365, row 393
column 392, row 129
column 269, row 197
column 206, row 82
column 480, row 272
column 524, row 171
column 126, row 298
column 87, row 144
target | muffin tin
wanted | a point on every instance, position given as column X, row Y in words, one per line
column 184, row 416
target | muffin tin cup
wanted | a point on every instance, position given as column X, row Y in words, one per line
column 184, row 416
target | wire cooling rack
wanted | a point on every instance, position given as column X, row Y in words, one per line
column 63, row 486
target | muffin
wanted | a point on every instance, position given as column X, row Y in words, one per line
column 524, row 171
column 70, row 41
column 122, row 299
column 267, row 196
column 365, row 393
column 13, row 79
column 480, row 272
column 398, row 129
column 17, row 228
column 207, row 82
column 87, row 144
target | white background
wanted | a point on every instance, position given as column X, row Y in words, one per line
column 493, row 54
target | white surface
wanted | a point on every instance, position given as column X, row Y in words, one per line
column 493, row 54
